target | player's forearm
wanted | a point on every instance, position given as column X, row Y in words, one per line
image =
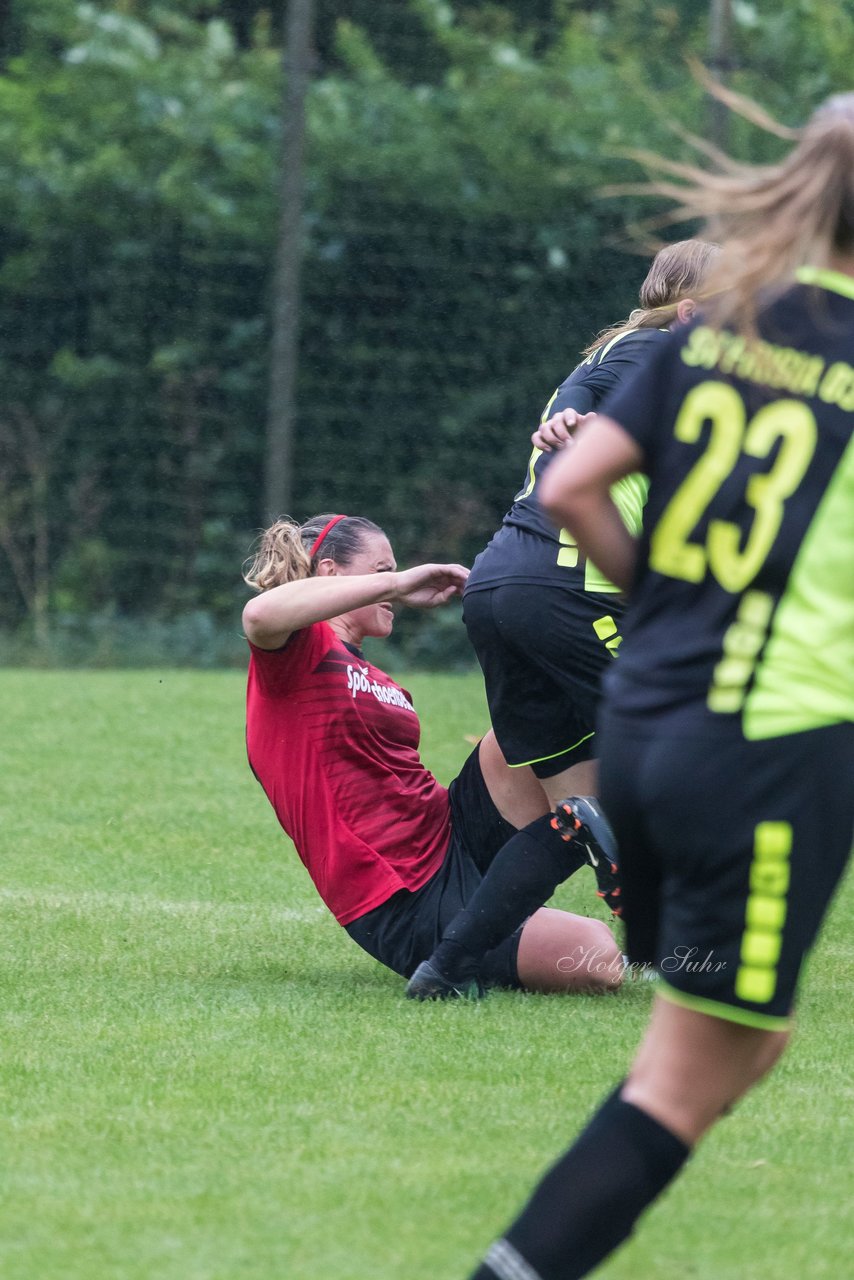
column 294, row 605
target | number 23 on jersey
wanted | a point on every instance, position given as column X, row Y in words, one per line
column 789, row 422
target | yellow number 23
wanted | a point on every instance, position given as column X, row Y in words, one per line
column 733, row 565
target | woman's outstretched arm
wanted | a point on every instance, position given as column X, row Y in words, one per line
column 271, row 617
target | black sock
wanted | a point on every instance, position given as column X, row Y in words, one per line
column 524, row 874
column 588, row 1203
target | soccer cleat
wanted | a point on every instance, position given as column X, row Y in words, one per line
column 429, row 983
column 579, row 818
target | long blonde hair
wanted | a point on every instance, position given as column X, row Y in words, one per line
column 769, row 219
column 286, row 551
column 677, row 271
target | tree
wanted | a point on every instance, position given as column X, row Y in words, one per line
column 457, row 255
column 289, row 248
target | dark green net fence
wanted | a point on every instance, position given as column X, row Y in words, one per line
column 455, row 259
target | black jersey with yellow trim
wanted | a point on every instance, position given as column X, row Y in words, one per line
column 742, row 614
column 528, row 547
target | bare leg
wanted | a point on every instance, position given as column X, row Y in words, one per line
column 563, row 952
column 578, row 780
column 691, row 1067
column 516, row 793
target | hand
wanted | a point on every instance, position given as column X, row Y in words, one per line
column 558, row 430
column 429, row 585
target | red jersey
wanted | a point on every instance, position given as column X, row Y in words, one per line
column 334, row 743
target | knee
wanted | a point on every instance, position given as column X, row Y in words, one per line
column 596, row 956
column 692, row 1069
column 559, row 951
column 768, row 1053
column 615, row 969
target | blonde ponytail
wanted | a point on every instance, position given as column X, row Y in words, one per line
column 677, row 271
column 769, row 219
column 280, row 556
column 288, row 551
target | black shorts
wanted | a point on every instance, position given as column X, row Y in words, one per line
column 543, row 651
column 408, row 927
column 730, row 853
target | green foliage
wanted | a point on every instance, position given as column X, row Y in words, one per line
column 137, row 171
column 457, row 257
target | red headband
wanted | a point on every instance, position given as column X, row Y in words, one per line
column 330, row 524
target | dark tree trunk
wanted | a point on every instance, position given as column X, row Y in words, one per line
column 286, row 287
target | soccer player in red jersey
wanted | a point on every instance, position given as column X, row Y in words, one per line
column 333, row 741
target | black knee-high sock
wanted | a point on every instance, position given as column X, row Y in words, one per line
column 588, row 1203
column 524, row 874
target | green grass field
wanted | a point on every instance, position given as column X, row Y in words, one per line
column 202, row 1078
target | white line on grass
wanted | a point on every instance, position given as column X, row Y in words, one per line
column 143, row 904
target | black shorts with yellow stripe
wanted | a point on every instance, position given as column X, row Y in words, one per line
column 543, row 651
column 730, row 852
